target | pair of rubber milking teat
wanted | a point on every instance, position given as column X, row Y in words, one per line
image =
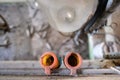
column 50, row 61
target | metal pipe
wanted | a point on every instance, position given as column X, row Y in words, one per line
column 116, row 70
column 73, row 61
column 49, row 61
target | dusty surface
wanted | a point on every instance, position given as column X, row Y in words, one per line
column 109, row 77
column 20, row 18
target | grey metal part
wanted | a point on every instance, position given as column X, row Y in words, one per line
column 34, row 68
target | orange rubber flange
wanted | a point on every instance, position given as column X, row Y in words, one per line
column 49, row 61
column 73, row 61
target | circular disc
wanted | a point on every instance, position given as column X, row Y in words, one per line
column 68, row 15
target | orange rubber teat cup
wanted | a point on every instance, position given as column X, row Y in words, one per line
column 49, row 61
column 73, row 62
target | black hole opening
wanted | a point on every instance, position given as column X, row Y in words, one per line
column 73, row 60
column 48, row 61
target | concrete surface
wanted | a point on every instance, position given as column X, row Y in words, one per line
column 109, row 77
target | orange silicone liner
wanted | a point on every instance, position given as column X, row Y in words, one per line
column 54, row 63
column 74, row 58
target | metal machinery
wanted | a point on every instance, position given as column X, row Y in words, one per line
column 21, row 42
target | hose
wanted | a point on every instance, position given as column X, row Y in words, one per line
column 100, row 9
